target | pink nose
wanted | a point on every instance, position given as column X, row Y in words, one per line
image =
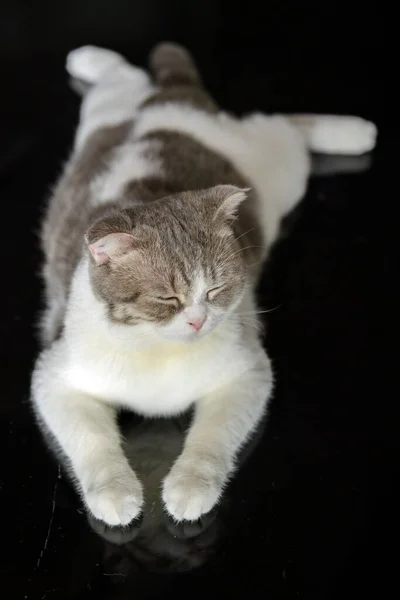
column 197, row 324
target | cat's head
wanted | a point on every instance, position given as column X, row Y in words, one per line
column 173, row 264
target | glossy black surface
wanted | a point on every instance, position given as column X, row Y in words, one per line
column 311, row 512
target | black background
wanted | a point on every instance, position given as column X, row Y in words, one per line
column 311, row 512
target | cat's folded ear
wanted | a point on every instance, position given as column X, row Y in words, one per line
column 110, row 237
column 228, row 198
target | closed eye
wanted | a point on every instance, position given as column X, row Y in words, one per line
column 213, row 292
column 173, row 300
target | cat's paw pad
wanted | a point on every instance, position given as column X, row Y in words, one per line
column 116, row 504
column 90, row 63
column 189, row 494
column 344, row 135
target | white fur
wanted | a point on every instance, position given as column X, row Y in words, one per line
column 334, row 134
column 196, row 313
column 133, row 160
column 224, row 420
column 90, row 63
column 98, row 366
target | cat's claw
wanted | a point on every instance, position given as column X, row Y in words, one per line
column 90, row 63
column 187, row 494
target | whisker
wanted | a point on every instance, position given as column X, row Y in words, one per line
column 255, row 325
column 255, row 264
column 234, row 254
column 240, row 236
column 235, row 239
column 248, row 315
column 260, row 312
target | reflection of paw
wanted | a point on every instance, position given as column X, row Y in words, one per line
column 115, row 535
column 343, row 135
column 90, row 63
column 189, row 493
column 186, row 530
column 118, row 502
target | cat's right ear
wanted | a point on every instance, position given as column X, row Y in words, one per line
column 110, row 238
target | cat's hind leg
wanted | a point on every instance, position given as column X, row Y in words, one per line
column 118, row 89
column 90, row 63
column 277, row 165
column 336, row 134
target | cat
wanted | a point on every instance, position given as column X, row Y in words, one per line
column 154, row 239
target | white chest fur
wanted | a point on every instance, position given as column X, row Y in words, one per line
column 161, row 380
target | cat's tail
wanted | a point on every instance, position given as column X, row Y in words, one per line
column 172, row 65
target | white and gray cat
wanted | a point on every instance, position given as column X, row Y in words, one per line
column 153, row 243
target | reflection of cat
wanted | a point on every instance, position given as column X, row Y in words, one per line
column 156, row 541
column 156, row 312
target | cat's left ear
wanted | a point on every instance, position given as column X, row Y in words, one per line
column 229, row 198
column 111, row 237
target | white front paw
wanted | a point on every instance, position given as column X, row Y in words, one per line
column 117, row 502
column 90, row 63
column 190, row 493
